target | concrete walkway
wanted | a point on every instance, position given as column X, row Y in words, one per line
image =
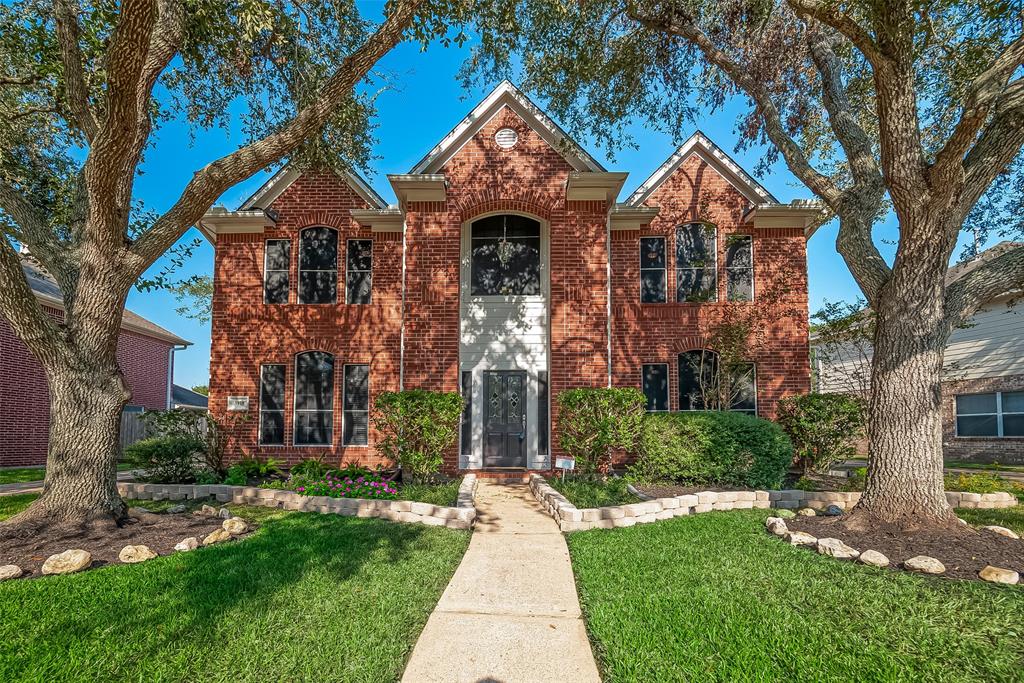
column 510, row 614
column 37, row 486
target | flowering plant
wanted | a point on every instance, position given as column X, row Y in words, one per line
column 337, row 486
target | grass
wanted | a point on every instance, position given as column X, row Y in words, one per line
column 1011, row 518
column 714, row 598
column 307, row 597
column 984, row 483
column 12, row 505
column 445, row 494
column 992, row 466
column 20, row 475
column 587, row 493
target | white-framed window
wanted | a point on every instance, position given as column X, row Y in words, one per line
column 276, row 262
column 703, row 387
column 271, row 428
column 696, row 263
column 655, row 385
column 739, row 268
column 653, row 281
column 991, row 414
column 356, row 406
column 314, row 399
column 358, row 271
column 318, row 266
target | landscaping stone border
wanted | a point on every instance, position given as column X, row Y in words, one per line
column 461, row 516
column 571, row 518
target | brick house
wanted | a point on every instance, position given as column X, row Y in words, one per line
column 508, row 271
column 145, row 352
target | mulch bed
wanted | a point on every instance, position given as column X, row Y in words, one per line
column 161, row 532
column 964, row 552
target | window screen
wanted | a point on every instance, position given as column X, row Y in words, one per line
column 505, row 256
column 356, row 419
column 276, row 260
column 696, row 265
column 272, row 405
column 318, row 266
column 739, row 268
column 359, row 272
column 652, row 270
column 655, row 382
column 314, row 398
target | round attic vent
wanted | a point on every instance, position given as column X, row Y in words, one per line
column 506, row 138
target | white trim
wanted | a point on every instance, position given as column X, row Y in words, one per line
column 999, row 415
column 370, row 271
column 506, row 95
column 286, row 175
column 702, row 146
column 295, row 401
column 344, row 390
column 260, row 411
column 288, row 270
column 640, row 263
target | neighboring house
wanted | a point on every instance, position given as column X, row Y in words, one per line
column 186, row 399
column 983, row 383
column 145, row 352
column 508, row 272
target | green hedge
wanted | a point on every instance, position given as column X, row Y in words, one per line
column 167, row 459
column 713, row 448
column 416, row 428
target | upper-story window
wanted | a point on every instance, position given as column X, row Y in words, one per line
column 505, row 256
column 696, row 263
column 998, row 413
column 359, row 271
column 314, row 398
column 653, row 283
column 702, row 386
column 276, row 261
column 739, row 268
column 318, row 266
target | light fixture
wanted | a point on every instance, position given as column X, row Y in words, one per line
column 504, row 246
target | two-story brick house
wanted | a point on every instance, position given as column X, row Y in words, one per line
column 508, row 271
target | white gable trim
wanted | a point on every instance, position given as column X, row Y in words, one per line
column 506, row 95
column 286, row 175
column 702, row 146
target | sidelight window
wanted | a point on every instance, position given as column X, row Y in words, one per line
column 276, row 260
column 272, row 405
column 359, row 271
column 739, row 268
column 652, row 270
column 356, row 402
column 655, row 383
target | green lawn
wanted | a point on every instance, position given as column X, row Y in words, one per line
column 12, row 505
column 1011, row 518
column 308, row 597
column 585, row 493
column 994, row 467
column 712, row 597
column 436, row 494
column 20, row 475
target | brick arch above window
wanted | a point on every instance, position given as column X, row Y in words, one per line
column 478, row 206
column 328, row 219
column 692, row 343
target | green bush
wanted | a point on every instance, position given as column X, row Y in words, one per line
column 312, row 468
column 416, row 428
column 824, row 428
column 167, row 459
column 983, row 483
column 713, row 448
column 592, row 423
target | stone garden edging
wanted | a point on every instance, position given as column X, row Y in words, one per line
column 571, row 518
column 461, row 516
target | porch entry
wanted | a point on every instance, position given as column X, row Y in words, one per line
column 504, row 418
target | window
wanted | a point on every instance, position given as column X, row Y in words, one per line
column 739, row 268
column 359, row 272
column 655, row 380
column 703, row 387
column 543, row 426
column 272, row 405
column 505, row 256
column 652, row 270
column 318, row 266
column 314, row 398
column 696, row 264
column 992, row 414
column 356, row 402
column 467, row 413
column 276, row 260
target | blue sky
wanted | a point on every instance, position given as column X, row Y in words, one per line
column 427, row 102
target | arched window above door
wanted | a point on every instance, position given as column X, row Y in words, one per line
column 505, row 256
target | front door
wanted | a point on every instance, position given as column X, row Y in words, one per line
column 504, row 418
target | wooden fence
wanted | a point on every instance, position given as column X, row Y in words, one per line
column 133, row 428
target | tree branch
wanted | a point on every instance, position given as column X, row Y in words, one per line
column 66, row 16
column 830, row 14
column 999, row 144
column 32, row 228
column 20, row 307
column 215, row 178
column 1001, row 274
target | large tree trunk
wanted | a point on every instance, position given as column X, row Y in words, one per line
column 81, row 465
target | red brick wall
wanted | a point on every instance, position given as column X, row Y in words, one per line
column 247, row 333
column 1006, row 450
column 25, row 398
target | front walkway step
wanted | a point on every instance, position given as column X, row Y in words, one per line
column 511, row 612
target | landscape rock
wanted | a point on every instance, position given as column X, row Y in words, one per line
column 806, row 512
column 925, row 565
column 997, row 575
column 208, row 511
column 224, row 513
column 785, row 514
column 833, row 511
column 176, row 509
column 1002, row 531
column 143, row 515
column 67, row 562
column 132, row 554
column 217, row 536
column 873, row 558
column 10, row 571
column 800, row 538
column 235, row 526
column 190, row 543
column 836, row 548
column 776, row 525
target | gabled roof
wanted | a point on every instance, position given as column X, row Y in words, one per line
column 506, row 95
column 702, row 146
column 186, row 398
column 286, row 175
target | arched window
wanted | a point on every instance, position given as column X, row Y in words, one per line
column 505, row 256
column 696, row 263
column 318, row 266
column 314, row 398
column 703, row 385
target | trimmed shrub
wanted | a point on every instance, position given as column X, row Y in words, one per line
column 824, row 428
column 713, row 448
column 416, row 428
column 592, row 423
column 167, row 459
